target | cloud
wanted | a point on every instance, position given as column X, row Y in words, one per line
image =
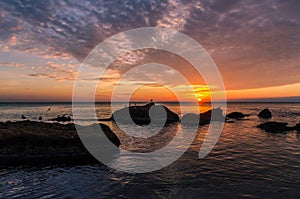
column 254, row 43
column 55, row 71
column 42, row 75
column 74, row 27
column 176, row 14
column 13, row 65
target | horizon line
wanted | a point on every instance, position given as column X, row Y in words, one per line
column 289, row 99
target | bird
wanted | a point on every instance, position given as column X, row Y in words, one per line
column 40, row 118
column 23, row 117
column 49, row 109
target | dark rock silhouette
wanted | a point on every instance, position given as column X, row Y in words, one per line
column 23, row 117
column 266, row 113
column 297, row 127
column 27, row 142
column 235, row 115
column 203, row 118
column 40, row 118
column 275, row 127
column 62, row 118
column 140, row 115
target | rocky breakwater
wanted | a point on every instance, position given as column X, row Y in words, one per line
column 28, row 142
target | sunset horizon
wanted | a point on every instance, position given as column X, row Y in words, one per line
column 150, row 99
column 40, row 57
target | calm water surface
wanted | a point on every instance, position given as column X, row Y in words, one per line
column 246, row 162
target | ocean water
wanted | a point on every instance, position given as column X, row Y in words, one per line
column 245, row 163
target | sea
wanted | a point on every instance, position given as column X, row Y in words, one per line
column 246, row 162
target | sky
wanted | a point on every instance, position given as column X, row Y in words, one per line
column 255, row 45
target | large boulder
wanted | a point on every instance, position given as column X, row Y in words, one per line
column 266, row 113
column 235, row 115
column 29, row 142
column 140, row 115
column 275, row 127
column 204, row 118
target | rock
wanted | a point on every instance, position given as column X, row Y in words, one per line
column 110, row 135
column 29, row 142
column 204, row 118
column 266, row 113
column 212, row 115
column 297, row 127
column 275, row 127
column 62, row 118
column 190, row 119
column 235, row 115
column 141, row 114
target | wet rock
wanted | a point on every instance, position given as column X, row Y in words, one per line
column 62, row 118
column 141, row 114
column 275, row 127
column 235, row 115
column 266, row 113
column 204, row 118
column 27, row 142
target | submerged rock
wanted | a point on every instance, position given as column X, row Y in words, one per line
column 266, row 113
column 141, row 114
column 39, row 142
column 204, row 118
column 235, row 115
column 275, row 127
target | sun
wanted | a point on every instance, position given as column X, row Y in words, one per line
column 199, row 99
